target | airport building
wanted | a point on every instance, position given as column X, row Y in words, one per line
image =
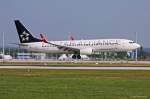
column 37, row 56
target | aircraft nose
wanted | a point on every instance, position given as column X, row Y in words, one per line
column 138, row 45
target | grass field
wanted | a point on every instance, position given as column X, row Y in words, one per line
column 74, row 84
column 72, row 63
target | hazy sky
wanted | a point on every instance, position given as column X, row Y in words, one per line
column 85, row 19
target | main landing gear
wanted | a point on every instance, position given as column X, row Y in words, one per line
column 76, row 56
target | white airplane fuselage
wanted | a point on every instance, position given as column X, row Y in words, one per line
column 86, row 47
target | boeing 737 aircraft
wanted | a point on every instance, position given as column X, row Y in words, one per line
column 75, row 47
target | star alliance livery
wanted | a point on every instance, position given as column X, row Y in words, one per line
column 75, row 47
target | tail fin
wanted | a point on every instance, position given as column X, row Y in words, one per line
column 43, row 39
column 24, row 35
column 71, row 38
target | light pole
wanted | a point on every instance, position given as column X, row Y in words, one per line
column 136, row 38
column 3, row 47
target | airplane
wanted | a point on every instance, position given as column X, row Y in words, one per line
column 75, row 47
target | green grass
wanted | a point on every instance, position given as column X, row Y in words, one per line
column 74, row 84
column 71, row 63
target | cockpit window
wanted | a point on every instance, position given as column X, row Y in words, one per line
column 131, row 42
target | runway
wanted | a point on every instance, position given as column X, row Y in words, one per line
column 75, row 68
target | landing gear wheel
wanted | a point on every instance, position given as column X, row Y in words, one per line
column 76, row 56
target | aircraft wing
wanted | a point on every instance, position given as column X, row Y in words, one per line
column 65, row 48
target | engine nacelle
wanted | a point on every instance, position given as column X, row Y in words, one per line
column 87, row 51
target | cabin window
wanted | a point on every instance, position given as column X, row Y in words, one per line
column 131, row 42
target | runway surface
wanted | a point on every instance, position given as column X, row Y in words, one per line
column 75, row 68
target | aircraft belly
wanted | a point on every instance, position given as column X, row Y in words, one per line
column 54, row 50
column 105, row 49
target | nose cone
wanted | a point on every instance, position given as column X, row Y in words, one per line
column 137, row 45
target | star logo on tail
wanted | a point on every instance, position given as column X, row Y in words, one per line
column 24, row 36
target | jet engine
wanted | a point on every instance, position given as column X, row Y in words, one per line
column 87, row 51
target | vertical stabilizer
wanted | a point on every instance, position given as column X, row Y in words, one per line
column 24, row 35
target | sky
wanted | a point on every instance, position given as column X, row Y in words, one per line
column 84, row 19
